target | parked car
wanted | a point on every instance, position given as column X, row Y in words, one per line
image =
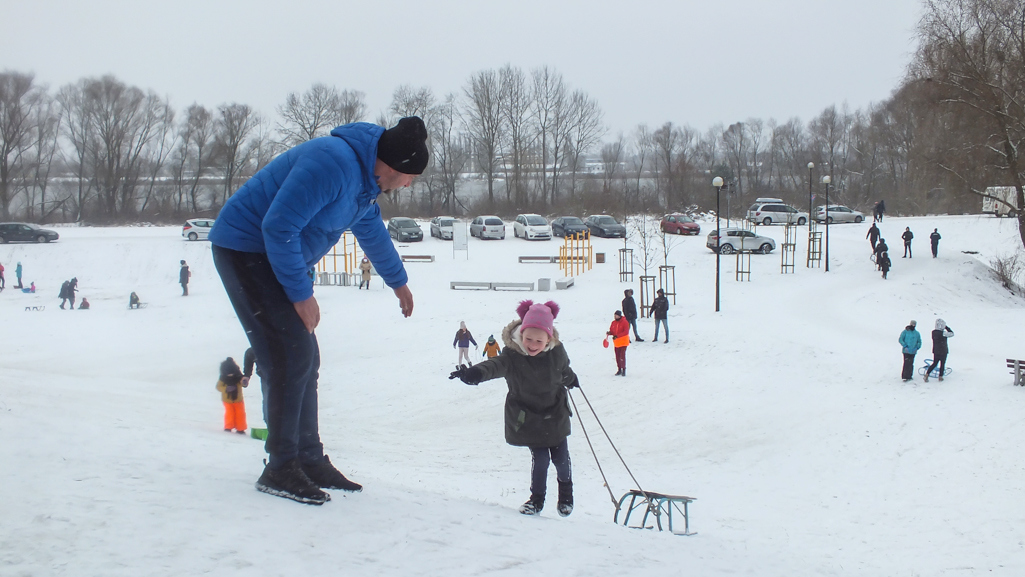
column 405, row 229
column 197, row 228
column 838, row 213
column 532, row 227
column 569, row 225
column 679, row 224
column 605, row 226
column 735, row 239
column 441, row 227
column 774, row 211
column 23, row 231
column 488, row 226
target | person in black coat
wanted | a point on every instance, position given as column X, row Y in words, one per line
column 183, row 278
column 907, row 236
column 884, row 263
column 934, row 241
column 630, row 312
column 880, row 249
column 939, row 348
column 660, row 310
column 873, row 236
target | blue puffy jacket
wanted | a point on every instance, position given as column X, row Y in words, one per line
column 911, row 341
column 297, row 207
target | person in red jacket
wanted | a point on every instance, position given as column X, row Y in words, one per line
column 619, row 330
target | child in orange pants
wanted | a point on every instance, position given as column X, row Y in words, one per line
column 230, row 385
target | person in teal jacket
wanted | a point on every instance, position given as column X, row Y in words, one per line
column 910, row 341
column 267, row 238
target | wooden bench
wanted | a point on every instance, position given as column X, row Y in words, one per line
column 512, row 286
column 656, row 505
column 417, row 258
column 1018, row 370
column 564, row 283
column 469, row 285
column 539, row 259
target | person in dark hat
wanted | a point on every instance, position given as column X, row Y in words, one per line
column 267, row 238
column 660, row 310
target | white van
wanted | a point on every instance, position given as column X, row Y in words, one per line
column 1006, row 193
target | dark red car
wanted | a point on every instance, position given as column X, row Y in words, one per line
column 679, row 224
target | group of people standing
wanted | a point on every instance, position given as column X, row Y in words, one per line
column 910, row 341
column 881, row 250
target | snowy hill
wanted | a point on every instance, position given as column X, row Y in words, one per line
column 784, row 415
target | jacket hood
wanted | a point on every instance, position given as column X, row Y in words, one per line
column 363, row 137
column 940, row 324
column 512, row 339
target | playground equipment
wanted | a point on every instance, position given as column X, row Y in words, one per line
column 328, row 272
column 789, row 249
column 814, row 246
column 575, row 254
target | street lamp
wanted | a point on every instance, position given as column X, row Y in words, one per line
column 717, row 183
column 826, row 180
column 811, row 165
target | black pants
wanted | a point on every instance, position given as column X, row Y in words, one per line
column 909, row 366
column 907, row 249
column 935, row 248
column 540, row 457
column 289, row 354
column 940, row 360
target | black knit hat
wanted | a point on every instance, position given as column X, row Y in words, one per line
column 404, row 146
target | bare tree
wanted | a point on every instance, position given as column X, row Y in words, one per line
column 78, row 129
column 584, row 130
column 195, row 139
column 549, row 111
column 449, row 155
column 483, row 117
column 517, row 101
column 611, row 158
column 352, row 107
column 19, row 99
column 735, row 143
column 235, row 124
column 310, row 114
column 45, row 134
column 974, row 52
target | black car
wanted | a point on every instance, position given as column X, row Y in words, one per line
column 605, row 226
column 569, row 225
column 405, row 229
column 21, row 231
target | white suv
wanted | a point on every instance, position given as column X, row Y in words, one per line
column 532, row 226
column 737, row 239
column 773, row 211
column 197, row 228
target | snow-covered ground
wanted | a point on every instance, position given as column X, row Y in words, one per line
column 784, row 415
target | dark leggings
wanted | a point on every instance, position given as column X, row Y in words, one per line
column 540, row 457
column 940, row 360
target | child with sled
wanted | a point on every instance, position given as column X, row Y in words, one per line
column 230, row 385
column 537, row 415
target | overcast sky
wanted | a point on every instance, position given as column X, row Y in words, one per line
column 644, row 61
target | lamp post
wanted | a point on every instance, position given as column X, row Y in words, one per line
column 717, row 183
column 826, row 180
column 811, row 166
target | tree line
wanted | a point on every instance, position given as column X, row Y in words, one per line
column 510, row 140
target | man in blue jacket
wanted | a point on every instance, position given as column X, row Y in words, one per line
column 267, row 238
column 910, row 342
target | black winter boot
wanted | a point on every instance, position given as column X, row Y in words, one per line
column 291, row 483
column 326, row 476
column 533, row 506
column 565, row 506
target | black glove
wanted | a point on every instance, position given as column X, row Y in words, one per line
column 574, row 384
column 469, row 375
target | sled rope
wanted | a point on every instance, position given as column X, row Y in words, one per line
column 621, row 460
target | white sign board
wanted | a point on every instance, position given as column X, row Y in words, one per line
column 459, row 237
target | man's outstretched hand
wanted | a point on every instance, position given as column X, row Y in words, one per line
column 405, row 297
column 469, row 375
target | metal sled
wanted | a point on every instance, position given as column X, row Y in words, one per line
column 656, row 505
column 36, row 308
column 935, row 372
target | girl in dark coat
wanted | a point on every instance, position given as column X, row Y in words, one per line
column 939, row 348
column 884, row 263
column 537, row 415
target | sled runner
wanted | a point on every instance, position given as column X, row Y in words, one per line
column 935, row 372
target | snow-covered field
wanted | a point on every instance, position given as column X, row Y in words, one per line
column 784, row 415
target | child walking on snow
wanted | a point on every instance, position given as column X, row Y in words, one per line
column 491, row 348
column 230, row 385
column 463, row 339
column 537, row 415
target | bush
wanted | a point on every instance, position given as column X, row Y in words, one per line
column 1008, row 270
